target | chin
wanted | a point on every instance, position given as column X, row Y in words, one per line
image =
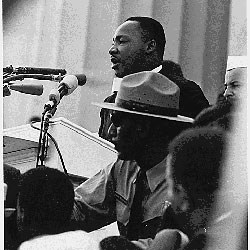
column 119, row 74
column 125, row 156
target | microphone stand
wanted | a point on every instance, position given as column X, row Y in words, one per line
column 43, row 139
column 11, row 74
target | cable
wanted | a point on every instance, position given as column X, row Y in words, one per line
column 40, row 140
column 57, row 148
column 77, row 206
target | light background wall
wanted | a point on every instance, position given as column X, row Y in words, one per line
column 76, row 35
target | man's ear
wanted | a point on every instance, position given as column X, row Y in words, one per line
column 151, row 46
column 185, row 202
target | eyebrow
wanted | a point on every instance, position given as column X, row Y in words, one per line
column 119, row 37
column 232, row 83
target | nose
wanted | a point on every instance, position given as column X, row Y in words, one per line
column 228, row 92
column 113, row 49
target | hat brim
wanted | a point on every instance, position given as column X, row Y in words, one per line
column 113, row 106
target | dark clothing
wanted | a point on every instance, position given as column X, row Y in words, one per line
column 197, row 243
column 117, row 242
column 136, row 212
column 192, row 99
column 105, row 117
column 11, row 178
column 219, row 115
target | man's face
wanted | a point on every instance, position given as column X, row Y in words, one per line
column 235, row 79
column 128, row 49
column 124, row 135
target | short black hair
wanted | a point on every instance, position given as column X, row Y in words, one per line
column 46, row 198
column 152, row 30
column 197, row 160
column 220, row 114
column 117, row 242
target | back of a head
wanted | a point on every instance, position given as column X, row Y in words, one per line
column 46, row 199
column 152, row 30
column 117, row 242
column 219, row 115
column 197, row 156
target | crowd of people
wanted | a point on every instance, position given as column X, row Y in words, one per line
column 171, row 149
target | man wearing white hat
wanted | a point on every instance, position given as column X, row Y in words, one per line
column 132, row 191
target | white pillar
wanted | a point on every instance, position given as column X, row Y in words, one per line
column 204, row 39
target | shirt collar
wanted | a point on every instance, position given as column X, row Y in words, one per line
column 117, row 81
column 156, row 175
column 116, row 84
column 158, row 69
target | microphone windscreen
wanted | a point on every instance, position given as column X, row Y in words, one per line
column 54, row 95
column 27, row 88
column 71, row 82
column 81, row 79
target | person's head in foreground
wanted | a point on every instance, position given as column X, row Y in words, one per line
column 145, row 117
column 217, row 116
column 194, row 168
column 45, row 202
column 138, row 45
column 117, row 242
column 235, row 80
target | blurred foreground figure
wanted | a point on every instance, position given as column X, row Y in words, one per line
column 194, row 167
column 44, row 209
column 11, row 180
column 117, row 243
column 228, row 217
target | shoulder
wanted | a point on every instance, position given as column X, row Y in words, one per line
column 173, row 71
column 171, row 68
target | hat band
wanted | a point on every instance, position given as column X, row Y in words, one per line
column 146, row 108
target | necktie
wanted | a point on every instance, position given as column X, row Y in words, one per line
column 136, row 212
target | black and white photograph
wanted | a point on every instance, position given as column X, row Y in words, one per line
column 124, row 124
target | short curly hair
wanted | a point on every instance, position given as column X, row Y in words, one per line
column 46, row 197
column 152, row 30
column 197, row 157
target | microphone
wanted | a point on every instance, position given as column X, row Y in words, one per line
column 43, row 71
column 66, row 87
column 30, row 89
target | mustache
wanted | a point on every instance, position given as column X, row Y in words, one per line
column 114, row 59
